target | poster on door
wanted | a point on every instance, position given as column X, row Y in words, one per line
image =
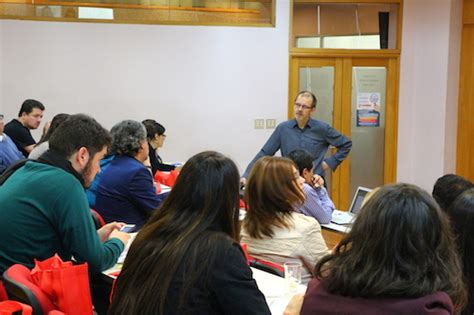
column 368, row 109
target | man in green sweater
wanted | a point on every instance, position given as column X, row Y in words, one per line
column 44, row 209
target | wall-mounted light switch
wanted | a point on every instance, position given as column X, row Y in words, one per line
column 270, row 123
column 259, row 123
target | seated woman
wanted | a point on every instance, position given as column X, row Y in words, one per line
column 156, row 137
column 462, row 218
column 272, row 229
column 125, row 191
column 187, row 259
column 399, row 258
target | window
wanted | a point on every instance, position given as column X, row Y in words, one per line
column 349, row 26
column 201, row 12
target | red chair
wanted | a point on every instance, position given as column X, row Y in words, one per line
column 3, row 292
column 97, row 218
column 13, row 307
column 20, row 287
column 267, row 266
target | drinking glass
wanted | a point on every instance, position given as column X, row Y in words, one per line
column 292, row 275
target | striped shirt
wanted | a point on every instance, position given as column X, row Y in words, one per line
column 317, row 204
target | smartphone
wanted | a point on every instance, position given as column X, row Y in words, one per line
column 127, row 228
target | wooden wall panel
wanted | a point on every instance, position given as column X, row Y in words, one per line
column 465, row 145
column 468, row 11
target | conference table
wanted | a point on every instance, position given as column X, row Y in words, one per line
column 333, row 233
column 273, row 287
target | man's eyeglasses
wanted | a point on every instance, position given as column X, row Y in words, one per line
column 302, row 106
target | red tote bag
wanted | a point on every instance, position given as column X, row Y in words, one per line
column 13, row 307
column 66, row 284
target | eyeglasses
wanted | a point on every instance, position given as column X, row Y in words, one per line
column 302, row 106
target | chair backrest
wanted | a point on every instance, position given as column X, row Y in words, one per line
column 3, row 292
column 267, row 266
column 9, row 307
column 20, row 287
column 97, row 218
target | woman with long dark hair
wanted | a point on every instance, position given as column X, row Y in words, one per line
column 156, row 138
column 462, row 218
column 272, row 229
column 399, row 258
column 187, row 259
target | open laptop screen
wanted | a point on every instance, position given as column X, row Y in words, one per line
column 358, row 199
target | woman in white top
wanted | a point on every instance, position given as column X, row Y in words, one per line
column 272, row 229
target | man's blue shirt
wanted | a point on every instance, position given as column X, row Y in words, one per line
column 315, row 137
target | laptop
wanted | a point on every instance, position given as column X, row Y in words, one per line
column 346, row 217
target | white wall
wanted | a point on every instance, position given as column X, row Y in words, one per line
column 205, row 84
column 452, row 99
column 429, row 77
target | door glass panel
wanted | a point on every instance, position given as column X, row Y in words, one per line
column 368, row 127
column 320, row 81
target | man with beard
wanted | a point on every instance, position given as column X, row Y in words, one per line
column 44, row 207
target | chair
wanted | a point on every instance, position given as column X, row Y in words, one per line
column 8, row 307
column 97, row 218
column 20, row 287
column 267, row 266
column 3, row 292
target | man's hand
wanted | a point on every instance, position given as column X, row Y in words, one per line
column 105, row 231
column 318, row 181
column 122, row 236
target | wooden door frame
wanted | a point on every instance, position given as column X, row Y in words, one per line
column 465, row 147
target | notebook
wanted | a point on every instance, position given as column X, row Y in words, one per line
column 346, row 217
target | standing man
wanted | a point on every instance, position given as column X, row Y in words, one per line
column 308, row 134
column 8, row 150
column 29, row 117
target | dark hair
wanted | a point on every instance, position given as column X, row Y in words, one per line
column 462, row 217
column 270, row 195
column 200, row 212
column 28, row 106
column 127, row 136
column 153, row 128
column 302, row 159
column 76, row 132
column 308, row 94
column 447, row 188
column 400, row 245
column 57, row 120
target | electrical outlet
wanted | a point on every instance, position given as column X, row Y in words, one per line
column 259, row 123
column 270, row 123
